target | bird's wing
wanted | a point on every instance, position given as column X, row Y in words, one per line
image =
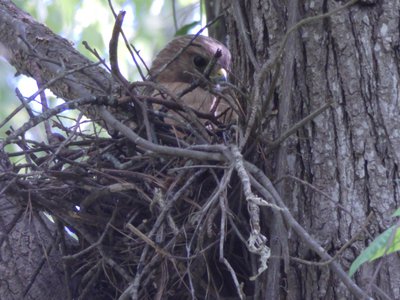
column 198, row 99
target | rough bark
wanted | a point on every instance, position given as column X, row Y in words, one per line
column 351, row 151
column 30, row 263
column 37, row 52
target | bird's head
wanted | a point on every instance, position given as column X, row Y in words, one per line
column 186, row 57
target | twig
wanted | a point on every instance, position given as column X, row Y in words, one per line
column 128, row 46
column 162, row 150
column 7, row 228
column 179, row 53
column 142, row 105
column 147, row 240
column 63, row 250
column 326, row 196
column 173, row 2
column 73, row 104
column 389, row 243
column 95, row 244
column 264, row 185
column 132, row 291
column 113, row 49
column 63, row 75
column 262, row 72
column 257, row 241
column 340, row 251
column 137, row 52
column 92, row 275
column 220, row 188
column 24, row 103
column 40, row 265
column 222, row 258
column 298, row 125
column 243, row 31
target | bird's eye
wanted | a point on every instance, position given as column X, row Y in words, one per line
column 200, row 62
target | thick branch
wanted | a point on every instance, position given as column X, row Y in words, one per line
column 25, row 43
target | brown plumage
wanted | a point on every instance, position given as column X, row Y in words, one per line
column 176, row 69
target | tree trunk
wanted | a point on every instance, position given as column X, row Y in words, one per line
column 30, row 263
column 342, row 165
column 30, row 260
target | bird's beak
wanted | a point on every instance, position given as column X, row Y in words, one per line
column 219, row 76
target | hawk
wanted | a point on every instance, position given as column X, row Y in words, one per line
column 183, row 62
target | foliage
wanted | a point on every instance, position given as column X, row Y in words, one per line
column 186, row 28
column 148, row 26
column 386, row 243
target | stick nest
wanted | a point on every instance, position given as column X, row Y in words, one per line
column 135, row 222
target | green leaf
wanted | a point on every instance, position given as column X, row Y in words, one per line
column 378, row 248
column 61, row 16
column 93, row 36
column 55, row 18
column 396, row 213
column 185, row 29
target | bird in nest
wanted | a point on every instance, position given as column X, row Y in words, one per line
column 192, row 71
